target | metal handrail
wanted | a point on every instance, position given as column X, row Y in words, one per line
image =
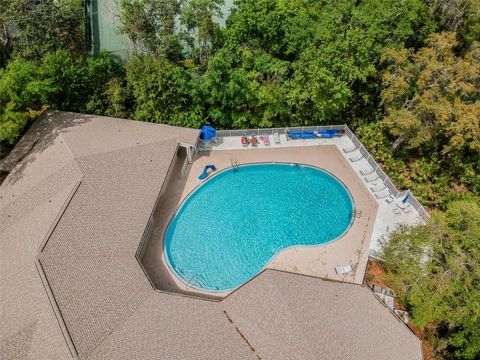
column 234, row 163
column 385, row 178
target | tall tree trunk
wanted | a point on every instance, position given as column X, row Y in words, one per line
column 396, row 144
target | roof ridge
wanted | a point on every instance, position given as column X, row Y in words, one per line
column 83, row 157
column 60, row 122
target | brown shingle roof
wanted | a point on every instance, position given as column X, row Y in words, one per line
column 291, row 316
column 88, row 184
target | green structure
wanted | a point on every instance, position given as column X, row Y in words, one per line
column 102, row 19
column 101, row 23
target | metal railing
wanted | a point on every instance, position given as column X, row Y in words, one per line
column 271, row 131
column 388, row 183
column 371, row 161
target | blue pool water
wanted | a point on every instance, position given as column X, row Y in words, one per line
column 229, row 228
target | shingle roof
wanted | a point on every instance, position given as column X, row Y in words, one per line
column 88, row 184
column 291, row 316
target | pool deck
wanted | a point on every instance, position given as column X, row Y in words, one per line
column 386, row 221
column 352, row 248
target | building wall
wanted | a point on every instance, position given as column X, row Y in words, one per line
column 102, row 21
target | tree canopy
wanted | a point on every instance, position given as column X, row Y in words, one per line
column 36, row 28
column 435, row 270
column 432, row 103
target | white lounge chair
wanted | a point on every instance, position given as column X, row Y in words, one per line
column 371, row 177
column 407, row 209
column 396, row 211
column 378, row 187
column 403, row 205
column 343, row 269
column 389, row 199
column 356, row 157
column 349, row 149
column 382, row 194
column 276, row 138
column 367, row 171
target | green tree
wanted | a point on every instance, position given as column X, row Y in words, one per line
column 117, row 99
column 243, row 88
column 60, row 81
column 461, row 16
column 5, row 33
column 150, row 25
column 432, row 104
column 41, row 27
column 78, row 84
column 18, row 100
column 202, row 33
column 435, row 269
column 163, row 92
column 323, row 58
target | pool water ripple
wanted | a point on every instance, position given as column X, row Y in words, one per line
column 230, row 227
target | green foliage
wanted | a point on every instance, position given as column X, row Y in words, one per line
column 461, row 16
column 150, row 25
column 432, row 103
column 43, row 27
column 60, row 81
column 17, row 98
column 430, row 176
column 330, row 49
column 117, row 98
column 76, row 84
column 277, row 27
column 163, row 91
column 435, row 269
column 245, row 89
column 202, row 33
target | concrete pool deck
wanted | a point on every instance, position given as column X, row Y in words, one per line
column 318, row 261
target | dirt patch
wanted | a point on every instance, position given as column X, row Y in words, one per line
column 375, row 275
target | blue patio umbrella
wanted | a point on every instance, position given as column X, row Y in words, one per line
column 405, row 198
column 207, row 132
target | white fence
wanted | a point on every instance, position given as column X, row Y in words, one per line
column 388, row 183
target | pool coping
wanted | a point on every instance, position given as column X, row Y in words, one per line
column 226, row 292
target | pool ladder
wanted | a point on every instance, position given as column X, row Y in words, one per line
column 234, row 163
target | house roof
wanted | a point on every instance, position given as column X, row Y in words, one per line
column 73, row 210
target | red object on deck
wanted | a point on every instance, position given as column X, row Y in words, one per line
column 244, row 140
column 254, row 140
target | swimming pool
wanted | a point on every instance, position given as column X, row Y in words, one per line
column 228, row 228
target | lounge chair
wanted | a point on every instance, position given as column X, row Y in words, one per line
column 371, row 177
column 266, row 139
column 389, row 199
column 407, row 209
column 367, row 171
column 382, row 194
column 276, row 138
column 403, row 205
column 396, row 211
column 349, row 149
column 357, row 157
column 343, row 269
column 378, row 187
